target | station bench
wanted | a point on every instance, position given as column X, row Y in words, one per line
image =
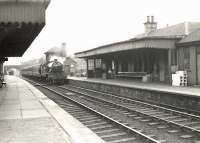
column 130, row 74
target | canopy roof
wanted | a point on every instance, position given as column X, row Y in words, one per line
column 164, row 38
column 20, row 22
column 153, row 42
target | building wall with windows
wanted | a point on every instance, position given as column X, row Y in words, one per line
column 157, row 53
column 188, row 61
column 188, row 53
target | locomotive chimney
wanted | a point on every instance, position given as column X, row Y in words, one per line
column 63, row 50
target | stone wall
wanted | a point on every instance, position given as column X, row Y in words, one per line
column 185, row 102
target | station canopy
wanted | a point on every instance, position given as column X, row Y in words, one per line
column 20, row 23
column 163, row 38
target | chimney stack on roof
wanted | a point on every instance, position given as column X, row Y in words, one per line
column 148, row 19
column 150, row 25
column 152, row 19
column 186, row 28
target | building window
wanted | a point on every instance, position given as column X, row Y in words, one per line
column 90, row 64
column 174, row 57
column 186, row 61
column 98, row 63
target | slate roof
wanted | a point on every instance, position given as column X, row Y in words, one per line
column 192, row 37
column 174, row 32
column 177, row 30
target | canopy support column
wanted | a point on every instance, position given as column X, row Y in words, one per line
column 87, row 67
column 169, row 65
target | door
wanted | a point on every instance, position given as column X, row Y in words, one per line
column 198, row 68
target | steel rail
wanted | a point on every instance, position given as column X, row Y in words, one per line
column 182, row 114
column 130, row 130
column 138, row 112
column 144, row 103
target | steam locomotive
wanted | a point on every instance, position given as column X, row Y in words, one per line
column 51, row 72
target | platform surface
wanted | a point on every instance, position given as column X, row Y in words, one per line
column 191, row 91
column 28, row 116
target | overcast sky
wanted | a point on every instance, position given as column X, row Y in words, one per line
column 86, row 24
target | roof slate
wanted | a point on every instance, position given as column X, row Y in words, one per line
column 192, row 37
column 173, row 32
column 181, row 29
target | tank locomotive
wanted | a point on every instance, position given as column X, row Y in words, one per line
column 51, row 72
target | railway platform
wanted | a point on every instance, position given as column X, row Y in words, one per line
column 27, row 115
column 186, row 98
column 184, row 90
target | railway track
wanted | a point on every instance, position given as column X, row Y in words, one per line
column 109, row 129
column 176, row 126
column 154, row 122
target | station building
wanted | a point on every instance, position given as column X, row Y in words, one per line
column 188, row 53
column 151, row 56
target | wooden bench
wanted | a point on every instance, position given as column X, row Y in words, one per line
column 130, row 74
